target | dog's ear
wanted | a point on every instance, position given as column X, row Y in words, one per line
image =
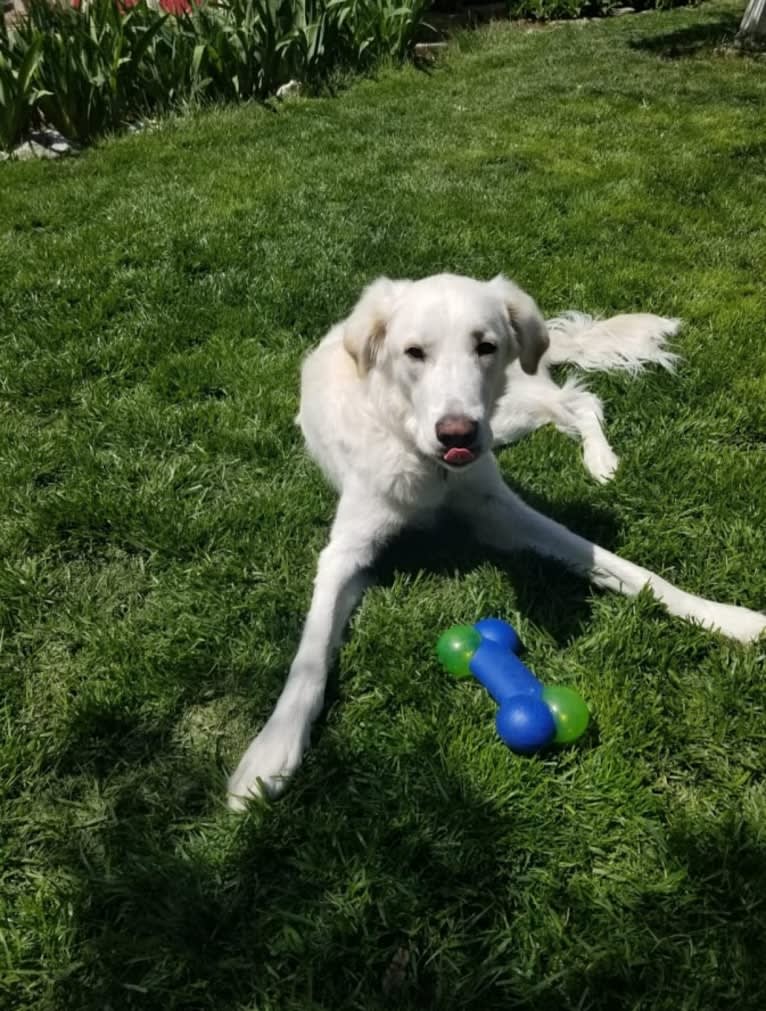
column 526, row 321
column 365, row 329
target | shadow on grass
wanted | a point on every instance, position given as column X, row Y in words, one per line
column 549, row 594
column 121, row 729
column 391, row 877
column 691, row 41
column 368, row 864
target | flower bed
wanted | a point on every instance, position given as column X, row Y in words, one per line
column 96, row 67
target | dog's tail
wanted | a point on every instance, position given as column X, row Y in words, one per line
column 627, row 342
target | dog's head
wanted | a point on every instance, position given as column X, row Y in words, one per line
column 439, row 350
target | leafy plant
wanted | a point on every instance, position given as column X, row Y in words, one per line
column 92, row 68
column 240, row 45
column 170, row 74
column 89, row 62
column 325, row 36
column 387, row 28
column 19, row 91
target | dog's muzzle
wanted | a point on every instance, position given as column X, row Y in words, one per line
column 459, row 435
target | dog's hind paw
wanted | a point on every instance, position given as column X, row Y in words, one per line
column 601, row 462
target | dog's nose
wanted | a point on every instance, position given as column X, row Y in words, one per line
column 456, row 430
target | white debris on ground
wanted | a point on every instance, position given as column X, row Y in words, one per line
column 289, row 90
column 46, row 143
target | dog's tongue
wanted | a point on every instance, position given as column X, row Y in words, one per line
column 458, row 456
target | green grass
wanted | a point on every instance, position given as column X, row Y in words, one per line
column 160, row 525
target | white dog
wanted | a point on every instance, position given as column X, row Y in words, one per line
column 400, row 406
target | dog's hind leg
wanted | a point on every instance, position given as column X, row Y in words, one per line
column 627, row 343
column 532, row 401
column 362, row 526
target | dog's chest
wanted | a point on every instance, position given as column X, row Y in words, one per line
column 416, row 486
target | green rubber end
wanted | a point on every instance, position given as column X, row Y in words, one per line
column 570, row 714
column 455, row 648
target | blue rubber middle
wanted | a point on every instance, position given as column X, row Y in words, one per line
column 502, row 673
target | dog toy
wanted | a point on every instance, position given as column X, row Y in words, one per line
column 530, row 716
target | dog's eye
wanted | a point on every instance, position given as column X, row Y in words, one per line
column 486, row 348
column 417, row 354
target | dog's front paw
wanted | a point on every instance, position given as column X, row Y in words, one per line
column 269, row 762
column 738, row 622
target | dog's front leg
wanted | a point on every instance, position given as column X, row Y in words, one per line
column 501, row 519
column 362, row 525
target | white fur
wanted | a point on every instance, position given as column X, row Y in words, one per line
column 626, row 342
column 368, row 413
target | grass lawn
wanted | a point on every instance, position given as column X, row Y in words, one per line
column 160, row 525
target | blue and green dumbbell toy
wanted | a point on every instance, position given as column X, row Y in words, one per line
column 530, row 716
